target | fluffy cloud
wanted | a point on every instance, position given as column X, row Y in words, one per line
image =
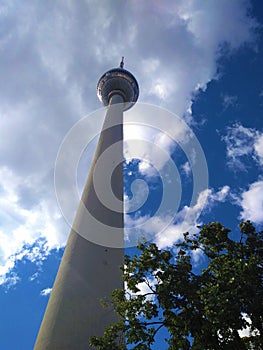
column 52, row 55
column 45, row 292
column 150, row 140
column 258, row 146
column 29, row 224
column 252, row 203
column 167, row 230
column 187, row 219
column 243, row 144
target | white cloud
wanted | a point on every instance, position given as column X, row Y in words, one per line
column 258, row 146
column 233, row 32
column 197, row 256
column 25, row 221
column 9, row 280
column 147, row 169
column 252, row 203
column 148, row 140
column 167, row 230
column 186, row 168
column 34, row 276
column 221, row 195
column 243, row 144
column 185, row 38
column 153, row 135
column 187, row 219
column 45, row 292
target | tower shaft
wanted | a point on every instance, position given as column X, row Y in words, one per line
column 89, row 272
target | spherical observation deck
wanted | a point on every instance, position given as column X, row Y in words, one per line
column 118, row 81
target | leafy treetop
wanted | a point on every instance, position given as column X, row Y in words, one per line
column 205, row 310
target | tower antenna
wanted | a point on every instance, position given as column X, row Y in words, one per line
column 122, row 62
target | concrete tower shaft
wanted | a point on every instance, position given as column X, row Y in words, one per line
column 89, row 272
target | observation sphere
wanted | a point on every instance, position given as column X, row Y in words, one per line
column 118, row 81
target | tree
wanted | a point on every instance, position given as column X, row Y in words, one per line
column 200, row 310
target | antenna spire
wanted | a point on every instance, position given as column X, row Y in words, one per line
column 122, row 62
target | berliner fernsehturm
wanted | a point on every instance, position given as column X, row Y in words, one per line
column 89, row 272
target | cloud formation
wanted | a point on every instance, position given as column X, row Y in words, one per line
column 45, row 292
column 252, row 203
column 243, row 144
column 167, row 230
column 29, row 223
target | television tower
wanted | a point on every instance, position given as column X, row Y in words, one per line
column 89, row 272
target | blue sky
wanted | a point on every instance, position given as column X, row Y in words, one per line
column 199, row 60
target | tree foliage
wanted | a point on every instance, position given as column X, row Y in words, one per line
column 200, row 310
